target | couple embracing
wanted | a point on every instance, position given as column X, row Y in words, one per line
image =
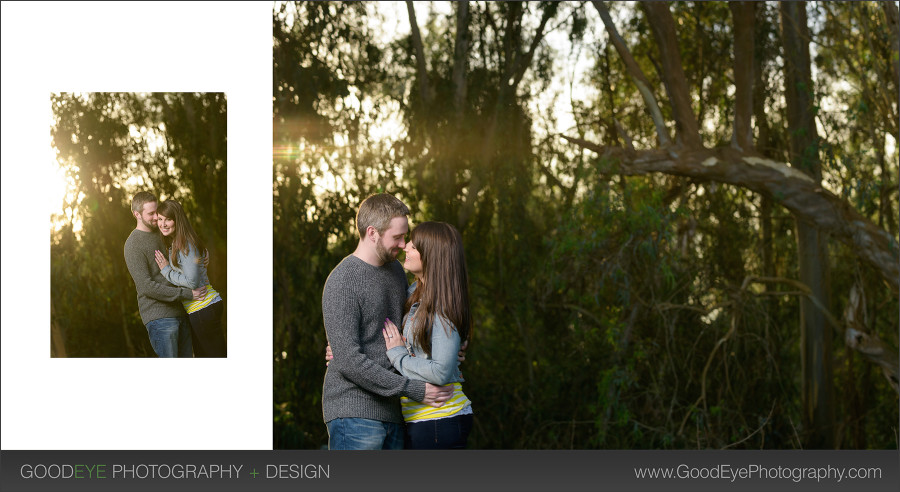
column 167, row 261
column 388, row 387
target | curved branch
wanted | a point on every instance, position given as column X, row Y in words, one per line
column 793, row 189
column 876, row 351
column 868, row 344
column 761, row 425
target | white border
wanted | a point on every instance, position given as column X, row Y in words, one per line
column 135, row 403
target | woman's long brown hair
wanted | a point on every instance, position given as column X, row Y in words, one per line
column 443, row 289
column 184, row 233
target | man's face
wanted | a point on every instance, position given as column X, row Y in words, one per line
column 148, row 215
column 389, row 244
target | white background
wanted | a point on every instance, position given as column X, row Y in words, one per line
column 120, row 403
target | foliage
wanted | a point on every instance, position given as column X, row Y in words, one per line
column 610, row 312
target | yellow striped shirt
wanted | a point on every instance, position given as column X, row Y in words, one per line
column 211, row 296
column 413, row 410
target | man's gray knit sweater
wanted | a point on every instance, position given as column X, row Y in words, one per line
column 360, row 382
column 157, row 298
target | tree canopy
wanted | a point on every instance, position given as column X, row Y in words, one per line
column 645, row 191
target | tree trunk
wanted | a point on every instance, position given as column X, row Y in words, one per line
column 663, row 26
column 743, row 15
column 461, row 54
column 763, row 146
column 817, row 211
column 815, row 337
column 516, row 64
column 892, row 13
column 129, row 345
column 425, row 91
column 57, row 341
column 637, row 75
column 454, row 155
column 794, row 190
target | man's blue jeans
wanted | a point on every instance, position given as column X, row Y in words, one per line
column 364, row 434
column 171, row 337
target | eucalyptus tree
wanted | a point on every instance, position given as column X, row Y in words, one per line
column 816, row 208
column 654, row 286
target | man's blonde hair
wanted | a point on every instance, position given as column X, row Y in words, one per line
column 143, row 197
column 377, row 211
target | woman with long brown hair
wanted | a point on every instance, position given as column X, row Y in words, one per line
column 186, row 267
column 436, row 323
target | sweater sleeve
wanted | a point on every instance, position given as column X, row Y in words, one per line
column 191, row 269
column 342, row 321
column 441, row 367
column 144, row 283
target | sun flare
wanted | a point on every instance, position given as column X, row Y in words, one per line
column 63, row 199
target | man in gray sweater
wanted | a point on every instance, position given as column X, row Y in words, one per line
column 361, row 395
column 159, row 301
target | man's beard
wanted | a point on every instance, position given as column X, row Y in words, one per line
column 151, row 225
column 383, row 254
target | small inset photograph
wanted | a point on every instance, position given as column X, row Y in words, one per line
column 138, row 230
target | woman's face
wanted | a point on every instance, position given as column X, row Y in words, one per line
column 413, row 261
column 166, row 225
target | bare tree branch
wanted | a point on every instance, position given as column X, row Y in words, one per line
column 523, row 62
column 892, row 13
column 629, row 144
column 637, row 75
column 794, row 190
column 515, row 68
column 877, row 351
column 663, row 26
column 425, row 89
column 868, row 344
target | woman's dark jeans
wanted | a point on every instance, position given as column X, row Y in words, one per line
column 448, row 433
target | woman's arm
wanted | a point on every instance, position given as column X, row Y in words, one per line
column 192, row 270
column 441, row 368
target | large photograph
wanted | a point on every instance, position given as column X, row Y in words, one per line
column 585, row 225
column 138, row 243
